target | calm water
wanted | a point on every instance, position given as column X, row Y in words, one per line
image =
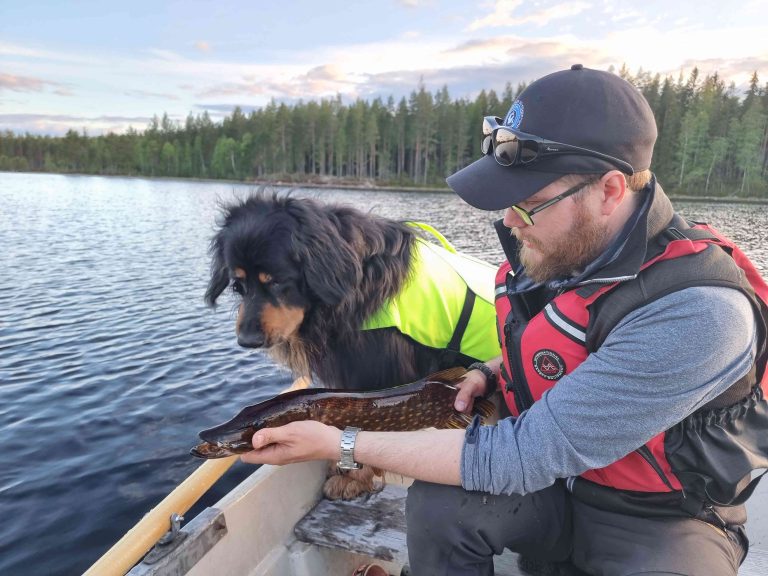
column 110, row 362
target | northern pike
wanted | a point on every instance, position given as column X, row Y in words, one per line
column 426, row 403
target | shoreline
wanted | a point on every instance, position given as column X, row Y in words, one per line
column 363, row 186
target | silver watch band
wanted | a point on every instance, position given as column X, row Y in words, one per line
column 347, row 460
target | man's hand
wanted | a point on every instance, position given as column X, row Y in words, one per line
column 472, row 386
column 295, row 442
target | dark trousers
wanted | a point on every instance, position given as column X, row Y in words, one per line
column 452, row 532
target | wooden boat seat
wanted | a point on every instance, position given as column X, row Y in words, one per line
column 375, row 526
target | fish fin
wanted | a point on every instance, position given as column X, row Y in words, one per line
column 458, row 420
column 447, row 376
column 485, row 408
column 481, row 407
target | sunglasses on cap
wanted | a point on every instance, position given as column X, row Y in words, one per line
column 527, row 215
column 511, row 147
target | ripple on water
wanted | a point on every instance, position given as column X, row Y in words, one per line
column 110, row 363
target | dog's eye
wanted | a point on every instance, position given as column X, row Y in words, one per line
column 238, row 288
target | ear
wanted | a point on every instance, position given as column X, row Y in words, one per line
column 614, row 191
column 331, row 268
column 219, row 274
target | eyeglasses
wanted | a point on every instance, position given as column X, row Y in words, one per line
column 512, row 147
column 527, row 215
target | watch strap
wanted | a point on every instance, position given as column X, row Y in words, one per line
column 347, row 459
column 491, row 381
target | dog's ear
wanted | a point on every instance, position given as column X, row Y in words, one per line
column 219, row 273
column 332, row 269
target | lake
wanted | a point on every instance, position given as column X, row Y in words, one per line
column 110, row 363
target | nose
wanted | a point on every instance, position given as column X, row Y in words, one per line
column 250, row 339
column 512, row 219
column 248, row 330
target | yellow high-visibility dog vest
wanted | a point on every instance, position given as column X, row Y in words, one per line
column 447, row 301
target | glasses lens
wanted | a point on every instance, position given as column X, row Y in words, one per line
column 505, row 148
column 505, row 152
column 529, row 150
column 523, row 215
column 485, row 145
column 488, row 127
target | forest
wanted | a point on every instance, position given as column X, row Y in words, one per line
column 713, row 140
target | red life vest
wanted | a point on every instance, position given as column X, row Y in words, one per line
column 539, row 347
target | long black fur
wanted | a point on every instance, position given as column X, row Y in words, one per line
column 337, row 264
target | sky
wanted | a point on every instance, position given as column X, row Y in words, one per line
column 103, row 66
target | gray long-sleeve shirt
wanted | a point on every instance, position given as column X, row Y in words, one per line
column 657, row 366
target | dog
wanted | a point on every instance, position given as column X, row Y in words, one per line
column 310, row 275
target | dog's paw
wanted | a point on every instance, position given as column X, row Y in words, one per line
column 349, row 484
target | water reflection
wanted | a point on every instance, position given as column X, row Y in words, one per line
column 110, row 362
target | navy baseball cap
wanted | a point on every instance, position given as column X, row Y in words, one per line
column 580, row 107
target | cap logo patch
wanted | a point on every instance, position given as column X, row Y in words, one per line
column 549, row 364
column 515, row 115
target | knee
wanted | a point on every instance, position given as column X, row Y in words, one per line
column 430, row 506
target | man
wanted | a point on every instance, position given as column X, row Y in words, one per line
column 633, row 363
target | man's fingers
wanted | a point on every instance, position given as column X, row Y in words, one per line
column 269, row 454
column 464, row 399
column 264, row 437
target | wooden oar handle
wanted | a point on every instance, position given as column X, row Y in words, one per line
column 138, row 540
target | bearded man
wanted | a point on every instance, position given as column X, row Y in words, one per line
column 633, row 363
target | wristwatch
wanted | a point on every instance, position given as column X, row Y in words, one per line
column 347, row 460
column 491, row 382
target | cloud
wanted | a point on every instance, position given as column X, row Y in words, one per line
column 233, row 89
column 633, row 15
column 502, row 11
column 501, row 48
column 319, row 81
column 165, row 55
column 739, row 71
column 462, row 82
column 28, row 53
column 14, row 83
column 142, row 84
column 728, row 51
column 59, row 124
column 503, row 14
column 218, row 111
column 544, row 17
column 147, row 94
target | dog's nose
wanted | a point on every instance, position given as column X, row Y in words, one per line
column 250, row 339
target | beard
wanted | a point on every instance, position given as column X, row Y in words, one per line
column 566, row 254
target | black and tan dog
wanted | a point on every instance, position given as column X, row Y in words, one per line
column 309, row 275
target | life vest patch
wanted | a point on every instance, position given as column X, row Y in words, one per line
column 549, row 364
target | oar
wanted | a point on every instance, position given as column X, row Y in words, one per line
column 145, row 534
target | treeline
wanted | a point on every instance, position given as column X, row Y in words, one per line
column 713, row 140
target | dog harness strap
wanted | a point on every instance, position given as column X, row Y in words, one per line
column 461, row 326
column 435, row 232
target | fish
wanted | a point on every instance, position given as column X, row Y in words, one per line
column 425, row 403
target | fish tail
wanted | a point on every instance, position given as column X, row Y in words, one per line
column 458, row 420
column 448, row 376
column 485, row 408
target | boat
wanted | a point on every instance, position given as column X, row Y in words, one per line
column 276, row 523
